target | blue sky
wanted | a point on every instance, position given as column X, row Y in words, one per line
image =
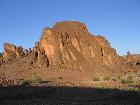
column 22, row 21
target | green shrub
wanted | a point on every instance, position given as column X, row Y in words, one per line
column 129, row 80
column 96, row 79
column 119, row 77
column 36, row 80
column 123, row 81
column 107, row 78
column 60, row 77
column 114, row 79
column 25, row 82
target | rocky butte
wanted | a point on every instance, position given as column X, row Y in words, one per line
column 67, row 46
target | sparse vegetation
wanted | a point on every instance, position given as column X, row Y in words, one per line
column 119, row 77
column 96, row 79
column 123, row 81
column 114, row 79
column 35, row 80
column 106, row 78
column 25, row 82
column 60, row 77
column 130, row 80
column 134, row 89
column 101, row 85
column 127, row 80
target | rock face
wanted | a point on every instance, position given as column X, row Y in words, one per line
column 69, row 45
column 136, row 59
column 39, row 56
column 133, row 59
column 11, row 51
column 129, row 57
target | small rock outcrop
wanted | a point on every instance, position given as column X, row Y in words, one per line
column 129, row 57
column 11, row 51
column 132, row 59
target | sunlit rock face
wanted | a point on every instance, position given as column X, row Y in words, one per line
column 68, row 44
column 11, row 51
column 37, row 56
column 132, row 59
column 129, row 57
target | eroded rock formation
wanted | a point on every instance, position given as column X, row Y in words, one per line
column 133, row 59
column 11, row 51
column 36, row 56
column 68, row 45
